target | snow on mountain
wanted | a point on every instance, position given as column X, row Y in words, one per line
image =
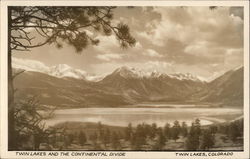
column 130, row 72
column 95, row 78
column 63, row 70
column 60, row 71
column 155, row 74
column 186, row 76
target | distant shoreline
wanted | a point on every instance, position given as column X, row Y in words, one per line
column 150, row 105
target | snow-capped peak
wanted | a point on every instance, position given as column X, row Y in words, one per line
column 62, row 67
column 184, row 76
column 155, row 74
column 95, row 78
column 63, row 70
column 130, row 72
column 60, row 71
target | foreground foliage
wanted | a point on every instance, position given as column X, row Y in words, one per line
column 35, row 26
column 96, row 136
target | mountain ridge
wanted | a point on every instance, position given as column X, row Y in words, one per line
column 64, row 70
column 60, row 70
column 128, row 86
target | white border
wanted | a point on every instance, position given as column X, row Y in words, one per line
column 131, row 154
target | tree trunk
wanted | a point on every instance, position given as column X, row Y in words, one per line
column 12, row 143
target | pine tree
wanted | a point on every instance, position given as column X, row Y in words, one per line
column 133, row 140
column 184, row 130
column 82, row 138
column 213, row 129
column 71, row 138
column 139, row 137
column 35, row 26
column 128, row 132
column 100, row 131
column 234, row 131
column 115, row 141
column 29, row 123
column 167, row 131
column 153, row 130
column 93, row 137
column 193, row 138
column 107, row 137
column 197, row 126
column 207, row 140
column 176, row 130
column 161, row 139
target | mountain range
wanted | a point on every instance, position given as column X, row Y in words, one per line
column 60, row 71
column 64, row 86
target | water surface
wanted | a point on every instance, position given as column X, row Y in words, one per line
column 160, row 116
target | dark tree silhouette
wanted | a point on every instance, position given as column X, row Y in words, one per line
column 35, row 26
column 29, row 123
column 115, row 141
column 193, row 138
column 153, row 130
column 71, row 138
column 176, row 129
column 167, row 130
column 63, row 24
column 93, row 137
column 139, row 137
column 184, row 130
column 161, row 139
column 213, row 7
column 100, row 131
column 197, row 126
column 207, row 140
column 128, row 132
column 107, row 137
column 82, row 138
column 234, row 131
column 213, row 129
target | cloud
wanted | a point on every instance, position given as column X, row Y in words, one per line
column 195, row 24
column 152, row 53
column 109, row 57
column 204, row 49
column 107, row 43
column 237, row 11
column 29, row 65
column 193, row 39
column 197, row 36
column 178, row 39
column 160, row 66
column 138, row 45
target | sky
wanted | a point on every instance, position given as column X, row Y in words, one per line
column 193, row 40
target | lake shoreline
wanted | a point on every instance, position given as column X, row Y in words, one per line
column 152, row 105
column 123, row 116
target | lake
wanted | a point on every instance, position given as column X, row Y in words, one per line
column 160, row 116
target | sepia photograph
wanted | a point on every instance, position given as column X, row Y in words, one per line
column 125, row 78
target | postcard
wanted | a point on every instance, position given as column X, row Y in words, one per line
column 125, row 79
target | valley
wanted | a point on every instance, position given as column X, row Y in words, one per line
column 148, row 104
column 125, row 87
